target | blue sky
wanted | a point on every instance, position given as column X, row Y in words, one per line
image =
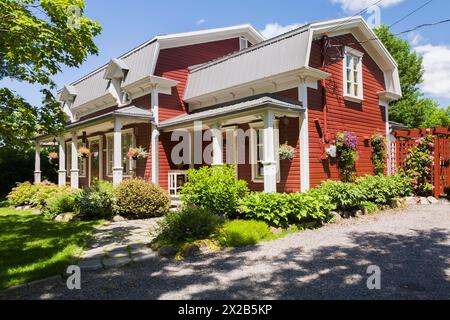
column 129, row 23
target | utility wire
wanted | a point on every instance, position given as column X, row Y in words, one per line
column 356, row 14
column 411, row 13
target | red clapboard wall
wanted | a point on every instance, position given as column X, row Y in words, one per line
column 173, row 64
column 364, row 119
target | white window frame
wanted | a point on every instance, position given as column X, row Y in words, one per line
column 81, row 161
column 109, row 147
column 353, row 54
column 243, row 43
column 256, row 178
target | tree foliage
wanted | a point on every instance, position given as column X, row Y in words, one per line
column 412, row 109
column 37, row 37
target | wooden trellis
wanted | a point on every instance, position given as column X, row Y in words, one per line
column 406, row 139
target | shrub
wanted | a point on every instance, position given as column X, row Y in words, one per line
column 97, row 201
column 343, row 195
column 346, row 147
column 63, row 203
column 381, row 189
column 138, row 199
column 378, row 145
column 369, row 207
column 281, row 209
column 45, row 193
column 239, row 233
column 215, row 189
column 23, row 194
column 189, row 224
column 419, row 166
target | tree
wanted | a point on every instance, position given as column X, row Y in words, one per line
column 412, row 109
column 37, row 37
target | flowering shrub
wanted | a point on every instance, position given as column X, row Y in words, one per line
column 286, row 152
column 137, row 153
column 346, row 146
column 419, row 165
column 378, row 144
column 84, row 152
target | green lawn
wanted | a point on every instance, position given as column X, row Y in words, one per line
column 34, row 247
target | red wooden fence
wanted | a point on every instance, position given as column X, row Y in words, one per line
column 406, row 139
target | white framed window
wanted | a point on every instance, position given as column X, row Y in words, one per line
column 128, row 141
column 353, row 79
column 257, row 150
column 82, row 163
column 243, row 43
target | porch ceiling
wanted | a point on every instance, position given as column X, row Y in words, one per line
column 105, row 122
column 240, row 111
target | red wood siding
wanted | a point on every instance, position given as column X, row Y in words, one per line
column 363, row 119
column 173, row 63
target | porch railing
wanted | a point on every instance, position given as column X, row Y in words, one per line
column 177, row 179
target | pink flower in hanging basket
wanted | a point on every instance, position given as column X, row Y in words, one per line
column 53, row 156
column 84, row 152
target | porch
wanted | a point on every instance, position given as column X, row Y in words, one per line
column 246, row 134
column 108, row 138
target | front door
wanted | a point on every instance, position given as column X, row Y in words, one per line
column 95, row 160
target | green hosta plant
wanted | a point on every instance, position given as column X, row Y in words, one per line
column 344, row 195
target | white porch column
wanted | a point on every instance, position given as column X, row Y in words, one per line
column 304, row 137
column 270, row 165
column 155, row 154
column 231, row 138
column 37, row 163
column 62, row 162
column 217, row 159
column 191, row 149
column 74, row 171
column 388, row 141
column 117, row 153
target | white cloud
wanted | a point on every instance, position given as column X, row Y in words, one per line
column 436, row 62
column 354, row 6
column 415, row 38
column 274, row 29
column 200, row 22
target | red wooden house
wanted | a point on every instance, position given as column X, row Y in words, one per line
column 230, row 96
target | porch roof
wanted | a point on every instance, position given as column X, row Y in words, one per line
column 236, row 107
column 130, row 114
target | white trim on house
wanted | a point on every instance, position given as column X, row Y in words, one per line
column 82, row 163
column 108, row 135
column 258, row 128
column 355, row 84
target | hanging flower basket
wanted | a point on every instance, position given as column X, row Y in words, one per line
column 286, row 152
column 53, row 156
column 84, row 152
column 137, row 153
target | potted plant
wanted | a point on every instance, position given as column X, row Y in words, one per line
column 137, row 153
column 84, row 152
column 286, row 152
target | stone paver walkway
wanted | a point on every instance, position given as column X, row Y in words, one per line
column 119, row 243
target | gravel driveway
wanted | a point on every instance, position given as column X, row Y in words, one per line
column 411, row 247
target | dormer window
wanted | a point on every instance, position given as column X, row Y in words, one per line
column 353, row 79
column 243, row 43
column 117, row 69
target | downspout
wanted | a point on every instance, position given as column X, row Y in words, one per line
column 323, row 82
